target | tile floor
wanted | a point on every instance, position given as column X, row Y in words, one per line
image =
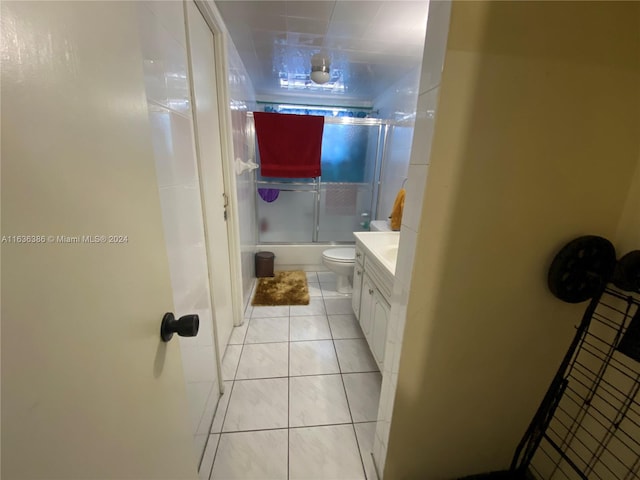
column 302, row 392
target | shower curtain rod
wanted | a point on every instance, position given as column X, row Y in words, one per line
column 350, row 120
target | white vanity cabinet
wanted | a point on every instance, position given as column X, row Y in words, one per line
column 372, row 286
column 358, row 274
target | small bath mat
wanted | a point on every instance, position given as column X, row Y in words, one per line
column 285, row 288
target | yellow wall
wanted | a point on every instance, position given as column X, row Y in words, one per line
column 536, row 142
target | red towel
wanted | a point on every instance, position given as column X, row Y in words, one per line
column 290, row 145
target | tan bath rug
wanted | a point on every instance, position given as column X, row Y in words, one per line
column 285, row 288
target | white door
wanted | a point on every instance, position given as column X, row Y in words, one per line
column 208, row 143
column 88, row 388
column 168, row 88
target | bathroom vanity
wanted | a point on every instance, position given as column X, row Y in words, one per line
column 373, row 276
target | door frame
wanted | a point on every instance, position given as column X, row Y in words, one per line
column 215, row 23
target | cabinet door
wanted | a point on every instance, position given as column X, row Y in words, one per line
column 357, row 290
column 366, row 307
column 379, row 330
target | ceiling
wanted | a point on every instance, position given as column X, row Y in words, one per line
column 371, row 45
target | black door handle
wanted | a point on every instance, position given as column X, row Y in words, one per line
column 185, row 326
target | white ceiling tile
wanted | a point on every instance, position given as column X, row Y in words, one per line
column 307, row 25
column 371, row 44
column 304, row 39
column 265, row 7
column 319, row 10
column 356, row 11
column 346, row 29
column 275, row 23
column 409, row 13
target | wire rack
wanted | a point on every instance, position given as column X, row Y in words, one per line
column 588, row 426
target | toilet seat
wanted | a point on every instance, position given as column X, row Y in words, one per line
column 340, row 255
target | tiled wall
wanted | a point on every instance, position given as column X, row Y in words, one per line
column 242, row 100
column 398, row 104
column 166, row 77
column 429, row 87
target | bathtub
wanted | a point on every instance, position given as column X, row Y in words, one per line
column 307, row 257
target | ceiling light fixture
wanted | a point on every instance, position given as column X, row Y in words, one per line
column 320, row 69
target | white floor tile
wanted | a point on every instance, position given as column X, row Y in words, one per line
column 251, row 455
column 324, row 453
column 314, row 290
column 338, row 306
column 312, row 327
column 238, row 333
column 312, row 277
column 345, row 326
column 330, row 290
column 365, row 433
column 327, row 277
column 354, row 356
column 257, row 404
column 266, row 312
column 317, row 400
column 315, row 307
column 263, row 330
column 363, row 392
column 230, row 361
column 221, row 410
column 312, row 358
column 264, row 360
column 204, row 472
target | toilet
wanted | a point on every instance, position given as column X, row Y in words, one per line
column 380, row 226
column 341, row 262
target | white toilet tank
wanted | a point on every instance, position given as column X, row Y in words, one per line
column 380, row 226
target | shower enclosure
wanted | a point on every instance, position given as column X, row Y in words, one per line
column 326, row 209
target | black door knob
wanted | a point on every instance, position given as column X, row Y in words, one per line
column 185, row 326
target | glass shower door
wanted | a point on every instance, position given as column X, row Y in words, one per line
column 286, row 213
column 329, row 208
column 344, row 209
column 350, row 153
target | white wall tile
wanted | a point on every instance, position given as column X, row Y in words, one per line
column 171, row 16
column 173, row 147
column 406, row 254
column 242, row 99
column 397, row 103
column 435, row 44
column 415, row 192
column 425, row 121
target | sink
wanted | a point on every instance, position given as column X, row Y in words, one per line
column 390, row 253
column 381, row 245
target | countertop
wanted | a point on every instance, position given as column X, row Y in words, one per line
column 383, row 246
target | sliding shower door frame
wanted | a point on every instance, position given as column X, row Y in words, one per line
column 316, row 183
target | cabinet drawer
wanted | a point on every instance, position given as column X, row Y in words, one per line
column 378, row 341
column 381, row 278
